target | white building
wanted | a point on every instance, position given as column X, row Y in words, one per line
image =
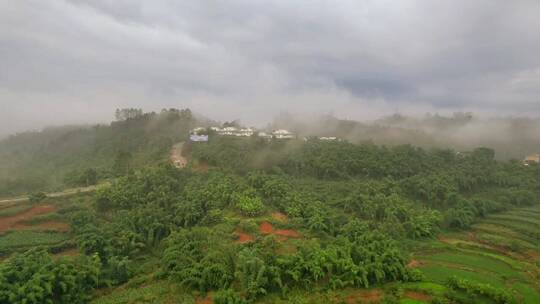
column 282, row 134
column 265, row 135
column 228, row 131
column 198, row 138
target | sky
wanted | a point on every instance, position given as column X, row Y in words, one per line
column 64, row 62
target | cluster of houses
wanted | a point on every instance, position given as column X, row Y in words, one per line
column 234, row 131
column 200, row 134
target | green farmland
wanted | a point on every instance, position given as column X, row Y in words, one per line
column 498, row 251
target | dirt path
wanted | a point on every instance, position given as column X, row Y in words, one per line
column 66, row 192
column 7, row 223
column 177, row 159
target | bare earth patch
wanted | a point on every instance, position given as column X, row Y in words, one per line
column 267, row 228
column 178, row 160
column 288, row 233
column 365, row 296
column 9, row 222
column 206, row 300
column 243, row 237
column 418, row 296
column 414, row 263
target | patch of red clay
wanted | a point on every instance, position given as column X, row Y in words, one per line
column 288, row 233
column 368, row 296
column 266, row 228
column 413, row 264
column 206, row 300
column 418, row 296
column 278, row 216
column 8, row 222
column 243, row 237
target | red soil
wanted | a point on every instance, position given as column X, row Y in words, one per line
column 7, row 223
column 243, row 237
column 278, row 216
column 288, row 233
column 368, row 296
column 206, row 300
column 266, row 228
column 417, row 296
column 413, row 264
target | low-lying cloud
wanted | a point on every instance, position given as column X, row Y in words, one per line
column 76, row 61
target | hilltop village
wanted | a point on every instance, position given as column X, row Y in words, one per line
column 200, row 134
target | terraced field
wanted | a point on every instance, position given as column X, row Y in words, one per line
column 24, row 225
column 502, row 250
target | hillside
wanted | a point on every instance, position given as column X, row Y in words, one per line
column 61, row 157
column 250, row 220
column 510, row 137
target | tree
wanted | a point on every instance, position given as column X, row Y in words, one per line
column 122, row 163
column 248, row 203
column 34, row 277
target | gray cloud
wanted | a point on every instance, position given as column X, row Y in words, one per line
column 75, row 61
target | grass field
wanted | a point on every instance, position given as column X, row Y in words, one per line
column 160, row 292
column 501, row 250
column 17, row 239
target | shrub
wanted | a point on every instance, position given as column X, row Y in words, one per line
column 481, row 289
column 249, row 204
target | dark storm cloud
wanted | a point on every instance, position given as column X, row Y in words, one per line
column 251, row 59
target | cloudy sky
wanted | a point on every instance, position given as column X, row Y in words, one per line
column 76, row 61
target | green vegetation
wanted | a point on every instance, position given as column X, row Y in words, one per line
column 23, row 238
column 73, row 156
column 37, row 197
column 291, row 222
column 15, row 209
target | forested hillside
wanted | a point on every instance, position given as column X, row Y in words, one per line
column 510, row 137
column 258, row 221
column 61, row 157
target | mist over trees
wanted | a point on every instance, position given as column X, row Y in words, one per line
column 510, row 137
column 81, row 155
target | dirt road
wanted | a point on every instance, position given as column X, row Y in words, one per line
column 177, row 159
column 66, row 192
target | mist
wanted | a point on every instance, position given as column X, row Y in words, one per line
column 76, row 61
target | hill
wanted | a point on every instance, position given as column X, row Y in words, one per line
column 61, row 157
column 251, row 220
